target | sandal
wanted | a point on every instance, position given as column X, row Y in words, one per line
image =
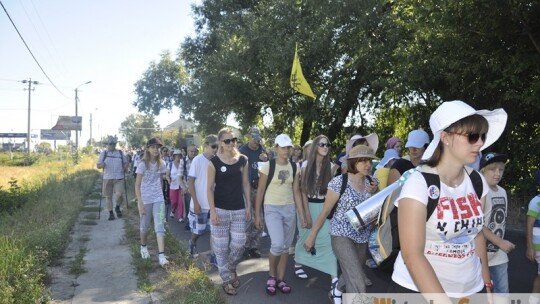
column 271, row 286
column 300, row 273
column 235, row 281
column 229, row 289
column 332, row 294
column 283, row 287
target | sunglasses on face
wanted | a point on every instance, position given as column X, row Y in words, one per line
column 472, row 137
column 325, row 145
column 214, row 146
column 231, row 140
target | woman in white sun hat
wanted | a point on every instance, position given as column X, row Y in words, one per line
column 445, row 256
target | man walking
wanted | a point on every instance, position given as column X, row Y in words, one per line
column 199, row 210
column 255, row 153
column 114, row 164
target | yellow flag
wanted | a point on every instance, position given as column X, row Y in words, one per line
column 298, row 82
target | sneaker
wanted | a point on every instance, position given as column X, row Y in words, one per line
column 144, row 252
column 171, row 215
column 193, row 250
column 118, row 211
column 213, row 260
column 111, row 216
column 180, row 220
column 163, row 260
column 254, row 253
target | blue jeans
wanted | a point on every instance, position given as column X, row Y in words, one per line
column 499, row 276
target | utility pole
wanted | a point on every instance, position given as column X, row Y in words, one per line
column 30, row 82
column 76, row 113
column 91, row 129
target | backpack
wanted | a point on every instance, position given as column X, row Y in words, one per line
column 384, row 240
column 273, row 169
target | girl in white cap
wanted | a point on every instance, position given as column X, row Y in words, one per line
column 445, row 257
column 175, row 173
column 281, row 195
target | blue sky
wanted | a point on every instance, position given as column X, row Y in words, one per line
column 108, row 42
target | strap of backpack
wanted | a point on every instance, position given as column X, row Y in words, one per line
column 293, row 165
column 345, row 179
column 476, row 181
column 431, row 180
column 271, row 172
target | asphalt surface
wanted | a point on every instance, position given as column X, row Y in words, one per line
column 253, row 273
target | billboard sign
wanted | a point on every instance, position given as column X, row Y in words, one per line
column 68, row 123
column 54, row 135
column 14, row 135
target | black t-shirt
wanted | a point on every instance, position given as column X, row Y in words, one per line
column 402, row 165
column 228, row 193
column 253, row 159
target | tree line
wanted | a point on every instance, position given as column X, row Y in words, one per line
column 376, row 66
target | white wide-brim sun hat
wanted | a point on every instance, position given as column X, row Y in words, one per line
column 451, row 111
column 372, row 140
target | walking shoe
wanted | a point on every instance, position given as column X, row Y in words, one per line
column 180, row 220
column 111, row 216
column 193, row 250
column 171, row 215
column 213, row 260
column 163, row 262
column 254, row 253
column 118, row 211
column 144, row 252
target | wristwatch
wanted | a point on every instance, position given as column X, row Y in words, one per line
column 489, row 285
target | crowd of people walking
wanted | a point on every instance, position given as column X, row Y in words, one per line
column 300, row 195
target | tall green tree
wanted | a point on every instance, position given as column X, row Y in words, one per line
column 137, row 129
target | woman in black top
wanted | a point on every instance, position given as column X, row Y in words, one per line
column 228, row 184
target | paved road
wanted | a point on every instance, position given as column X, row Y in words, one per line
column 253, row 274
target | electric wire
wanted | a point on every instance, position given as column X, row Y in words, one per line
column 30, row 51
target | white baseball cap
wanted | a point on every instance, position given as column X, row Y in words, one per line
column 451, row 111
column 283, row 140
column 388, row 156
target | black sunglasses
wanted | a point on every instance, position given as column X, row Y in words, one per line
column 472, row 137
column 322, row 145
column 214, row 146
column 228, row 141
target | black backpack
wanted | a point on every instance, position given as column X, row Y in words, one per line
column 384, row 240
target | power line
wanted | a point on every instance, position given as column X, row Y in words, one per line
column 30, row 51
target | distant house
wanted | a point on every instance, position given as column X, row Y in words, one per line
column 186, row 125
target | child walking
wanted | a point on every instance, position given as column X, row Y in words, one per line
column 150, row 199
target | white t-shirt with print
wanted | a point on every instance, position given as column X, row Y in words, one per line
column 450, row 233
column 495, row 211
column 151, row 191
column 199, row 171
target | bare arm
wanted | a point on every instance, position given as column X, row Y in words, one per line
column 393, row 176
column 140, row 203
column 503, row 244
column 298, row 201
column 210, row 193
column 191, row 185
column 247, row 188
column 261, row 189
column 329, row 202
column 481, row 251
column 305, row 202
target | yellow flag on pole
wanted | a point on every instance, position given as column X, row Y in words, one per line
column 298, row 82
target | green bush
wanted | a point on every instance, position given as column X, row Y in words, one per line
column 21, row 273
column 12, row 199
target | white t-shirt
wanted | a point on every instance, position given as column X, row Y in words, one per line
column 199, row 171
column 450, row 233
column 495, row 212
column 151, row 191
column 175, row 175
